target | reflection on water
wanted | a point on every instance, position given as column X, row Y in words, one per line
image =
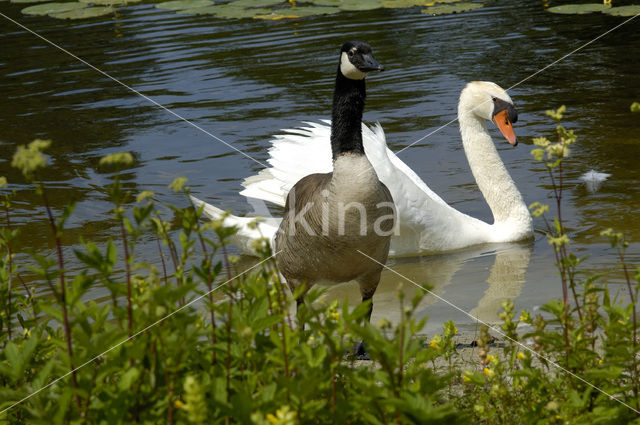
column 244, row 80
column 448, row 276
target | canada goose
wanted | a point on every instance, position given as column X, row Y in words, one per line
column 331, row 219
column 426, row 222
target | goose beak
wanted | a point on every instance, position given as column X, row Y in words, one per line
column 369, row 63
column 501, row 119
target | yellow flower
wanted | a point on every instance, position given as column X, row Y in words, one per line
column 520, row 355
column 466, row 379
column 435, row 342
column 179, row 404
column 488, row 372
column 283, row 416
column 335, row 315
column 492, row 358
column 383, row 323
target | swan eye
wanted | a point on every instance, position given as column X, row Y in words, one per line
column 493, row 98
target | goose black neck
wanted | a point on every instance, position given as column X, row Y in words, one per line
column 346, row 119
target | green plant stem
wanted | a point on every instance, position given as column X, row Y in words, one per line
column 164, row 266
column 125, row 247
column 401, row 345
column 558, row 198
column 9, row 283
column 167, row 378
column 208, row 260
column 634, row 342
column 228, row 363
column 63, row 294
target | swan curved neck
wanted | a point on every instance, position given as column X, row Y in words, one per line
column 346, row 119
column 493, row 179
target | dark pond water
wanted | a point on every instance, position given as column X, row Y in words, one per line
column 244, row 80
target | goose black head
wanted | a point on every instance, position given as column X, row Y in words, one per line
column 356, row 60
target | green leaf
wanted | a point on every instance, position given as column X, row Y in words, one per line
column 90, row 12
column 183, row 4
column 401, row 4
column 49, row 8
column 111, row 3
column 12, row 354
column 445, row 9
column 579, row 9
column 296, row 12
column 28, row 1
column 128, row 378
column 353, row 5
column 630, row 10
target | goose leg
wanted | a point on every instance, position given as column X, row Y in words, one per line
column 368, row 286
column 293, row 285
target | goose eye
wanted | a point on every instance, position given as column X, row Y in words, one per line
column 351, row 53
column 494, row 99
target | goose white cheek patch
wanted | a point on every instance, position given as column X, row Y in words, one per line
column 349, row 70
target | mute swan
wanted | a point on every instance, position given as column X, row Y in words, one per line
column 426, row 222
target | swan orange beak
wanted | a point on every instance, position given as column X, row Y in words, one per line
column 501, row 119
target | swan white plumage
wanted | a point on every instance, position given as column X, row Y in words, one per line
column 426, row 222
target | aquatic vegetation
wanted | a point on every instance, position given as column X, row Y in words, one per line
column 248, row 9
column 451, row 8
column 84, row 13
column 630, row 10
column 27, row 1
column 578, row 9
column 605, row 7
column 184, row 4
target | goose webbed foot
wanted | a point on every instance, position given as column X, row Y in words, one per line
column 360, row 352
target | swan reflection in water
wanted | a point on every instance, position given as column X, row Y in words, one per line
column 459, row 277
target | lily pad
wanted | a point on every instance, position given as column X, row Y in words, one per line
column 360, row 4
column 183, row 4
column 402, row 4
column 225, row 11
column 315, row 10
column 28, row 1
column 256, row 3
column 298, row 12
column 630, row 10
column 578, row 9
column 89, row 12
column 327, row 2
column 109, row 2
column 445, row 9
column 51, row 8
